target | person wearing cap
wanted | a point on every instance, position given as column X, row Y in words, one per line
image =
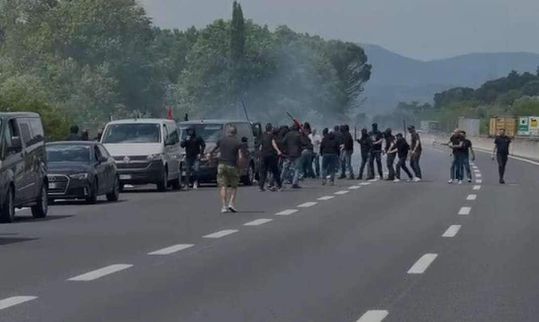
column 415, row 153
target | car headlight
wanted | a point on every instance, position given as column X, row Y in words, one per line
column 154, row 157
column 79, row 176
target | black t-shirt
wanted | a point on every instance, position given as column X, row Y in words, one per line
column 416, row 141
column 348, row 141
column 292, row 144
column 365, row 144
column 466, row 146
column 266, row 144
column 456, row 141
column 375, row 137
column 389, row 140
column 229, row 147
column 329, row 145
column 402, row 148
column 502, row 144
column 193, row 146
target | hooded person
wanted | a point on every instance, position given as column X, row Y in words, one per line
column 329, row 150
column 292, row 147
column 377, row 140
column 269, row 152
column 365, row 145
column 347, row 152
column 415, row 153
column 390, row 157
column 194, row 147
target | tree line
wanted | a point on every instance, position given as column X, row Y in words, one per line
column 86, row 61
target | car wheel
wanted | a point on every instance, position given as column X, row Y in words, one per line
column 249, row 178
column 92, row 193
column 42, row 205
column 7, row 210
column 163, row 183
column 114, row 195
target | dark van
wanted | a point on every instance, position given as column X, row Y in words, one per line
column 23, row 165
column 211, row 131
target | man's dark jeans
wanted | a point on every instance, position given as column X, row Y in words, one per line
column 375, row 155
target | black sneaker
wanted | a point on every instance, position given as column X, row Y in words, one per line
column 232, row 209
column 296, row 186
column 502, row 181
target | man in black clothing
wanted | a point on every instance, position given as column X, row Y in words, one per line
column 194, row 147
column 501, row 151
column 268, row 158
column 73, row 134
column 466, row 149
column 376, row 152
column 329, row 150
column 292, row 144
column 365, row 144
column 390, row 160
column 415, row 154
column 401, row 147
column 348, row 151
column 456, row 142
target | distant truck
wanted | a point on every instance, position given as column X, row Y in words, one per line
column 509, row 123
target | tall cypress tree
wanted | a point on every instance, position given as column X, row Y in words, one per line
column 237, row 34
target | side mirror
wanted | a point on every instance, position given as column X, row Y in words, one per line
column 16, row 145
column 103, row 159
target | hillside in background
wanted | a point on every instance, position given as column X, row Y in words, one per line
column 396, row 78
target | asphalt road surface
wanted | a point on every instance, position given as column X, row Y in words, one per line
column 375, row 251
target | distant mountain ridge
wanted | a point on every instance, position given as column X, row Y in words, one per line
column 398, row 78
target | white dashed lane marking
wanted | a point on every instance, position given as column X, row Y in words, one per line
column 98, row 273
column 465, row 211
column 476, row 187
column 364, row 183
column 342, row 192
column 222, row 233
column 307, row 204
column 478, row 181
column 15, row 300
column 324, row 198
column 354, row 187
column 171, row 249
column 286, row 212
column 373, row 316
column 258, row 222
column 478, row 175
column 471, row 197
column 452, row 231
column 422, row 264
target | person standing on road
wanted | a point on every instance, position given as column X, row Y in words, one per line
column 416, row 153
column 501, row 151
column 292, row 145
column 376, row 152
column 348, row 151
column 316, row 140
column 456, row 144
column 306, row 163
column 401, row 147
column 467, row 149
column 329, row 150
column 390, row 157
column 228, row 173
column 194, row 146
column 365, row 145
column 269, row 152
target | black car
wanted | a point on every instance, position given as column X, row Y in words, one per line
column 81, row 170
column 23, row 165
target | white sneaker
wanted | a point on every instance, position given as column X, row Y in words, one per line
column 450, row 181
column 416, row 179
column 460, row 181
column 224, row 210
column 397, row 180
column 195, row 185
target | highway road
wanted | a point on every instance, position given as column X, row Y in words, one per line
column 358, row 251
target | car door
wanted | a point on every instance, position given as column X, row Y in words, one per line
column 172, row 149
column 110, row 167
column 100, row 169
column 13, row 165
column 26, row 185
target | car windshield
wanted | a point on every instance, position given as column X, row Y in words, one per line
column 68, row 153
column 132, row 133
column 208, row 132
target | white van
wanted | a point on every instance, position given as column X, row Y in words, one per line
column 146, row 151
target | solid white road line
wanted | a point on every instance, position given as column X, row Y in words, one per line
column 171, row 249
column 452, row 231
column 98, row 273
column 258, row 222
column 471, row 197
column 286, row 212
column 324, row 198
column 465, row 211
column 307, row 204
column 342, row 192
column 477, row 187
column 422, row 264
column 221, row 233
column 354, row 187
column 373, row 316
column 478, row 181
column 15, row 300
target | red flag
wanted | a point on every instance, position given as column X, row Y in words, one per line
column 170, row 116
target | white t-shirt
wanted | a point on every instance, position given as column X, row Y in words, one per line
column 315, row 140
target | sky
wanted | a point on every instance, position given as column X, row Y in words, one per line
column 421, row 29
